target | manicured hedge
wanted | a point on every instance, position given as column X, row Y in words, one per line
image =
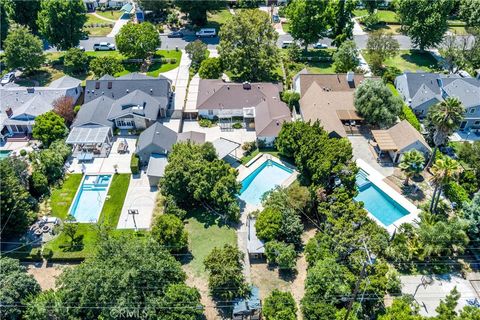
column 407, row 114
column 135, row 164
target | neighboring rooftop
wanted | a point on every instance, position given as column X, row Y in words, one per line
column 328, row 82
column 399, row 137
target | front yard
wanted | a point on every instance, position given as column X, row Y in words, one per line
column 411, row 60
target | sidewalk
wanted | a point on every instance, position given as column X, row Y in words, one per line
column 357, row 29
column 118, row 25
column 179, row 77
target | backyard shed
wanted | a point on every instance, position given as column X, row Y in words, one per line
column 156, row 168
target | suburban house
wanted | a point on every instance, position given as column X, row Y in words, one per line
column 155, row 143
column 399, row 139
column 256, row 105
column 132, row 102
column 421, row 90
column 19, row 106
column 91, row 5
column 329, row 98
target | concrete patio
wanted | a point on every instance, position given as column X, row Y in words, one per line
column 363, row 150
column 238, row 135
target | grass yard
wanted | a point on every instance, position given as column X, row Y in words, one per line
column 110, row 14
column 158, row 67
column 393, row 89
column 62, row 197
column 411, row 60
column 321, row 67
column 114, row 202
column 114, row 53
column 204, row 234
column 386, row 16
column 217, row 18
column 286, row 27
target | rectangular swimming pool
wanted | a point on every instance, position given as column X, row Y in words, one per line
column 90, row 198
column 266, row 177
column 377, row 202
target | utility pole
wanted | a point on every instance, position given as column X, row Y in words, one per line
column 370, row 261
column 133, row 212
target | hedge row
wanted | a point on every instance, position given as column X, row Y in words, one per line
column 135, row 164
column 407, row 114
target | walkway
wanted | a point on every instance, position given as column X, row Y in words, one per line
column 118, row 25
column 357, row 28
column 142, row 197
column 179, row 77
column 102, row 17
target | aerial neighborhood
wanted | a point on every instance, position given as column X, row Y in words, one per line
column 241, row 159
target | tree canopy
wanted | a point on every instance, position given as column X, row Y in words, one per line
column 197, row 52
column 101, row 66
column 61, row 22
column 346, row 57
column 75, row 60
column 23, row 49
column 376, row 103
column 470, row 12
column 343, row 23
column 279, row 306
column 49, row 127
column 197, row 10
column 168, row 230
column 138, row 40
column 210, row 68
column 248, row 46
column 24, row 13
column 381, row 46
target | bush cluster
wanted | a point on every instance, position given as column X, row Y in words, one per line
column 135, row 164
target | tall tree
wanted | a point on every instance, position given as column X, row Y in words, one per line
column 15, row 287
column 343, row 23
column 168, row 230
column 4, row 21
column 279, row 305
column 444, row 170
column 49, row 127
column 445, row 117
column 25, row 12
column 455, row 51
column 197, row 52
column 471, row 213
column 381, row 46
column 63, row 106
column 75, row 60
column 23, row 49
column 470, row 12
column 412, row 164
column 248, row 46
column 346, row 57
column 101, row 66
column 309, row 20
column 197, row 10
column 377, row 104
column 138, row 40
column 424, row 21
column 61, row 22
column 16, row 204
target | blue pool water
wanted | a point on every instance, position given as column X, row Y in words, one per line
column 4, row 154
column 90, row 198
column 377, row 202
column 266, row 177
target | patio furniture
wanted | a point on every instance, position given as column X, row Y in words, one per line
column 87, row 156
column 122, row 147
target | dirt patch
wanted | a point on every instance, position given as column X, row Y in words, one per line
column 45, row 274
column 210, row 311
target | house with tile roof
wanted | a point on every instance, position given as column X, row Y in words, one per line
column 257, row 105
column 19, row 106
column 421, row 90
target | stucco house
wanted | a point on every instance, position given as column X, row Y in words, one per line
column 19, row 106
column 256, row 105
column 421, row 90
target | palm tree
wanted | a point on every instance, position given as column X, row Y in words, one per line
column 446, row 117
column 444, row 170
column 412, row 164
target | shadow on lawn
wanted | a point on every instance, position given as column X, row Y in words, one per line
column 206, row 218
column 421, row 59
column 75, row 245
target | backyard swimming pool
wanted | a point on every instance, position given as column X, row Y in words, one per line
column 377, row 202
column 4, row 154
column 90, row 197
column 266, row 177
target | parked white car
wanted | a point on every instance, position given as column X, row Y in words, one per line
column 320, row 45
column 104, row 46
column 9, row 77
column 206, row 33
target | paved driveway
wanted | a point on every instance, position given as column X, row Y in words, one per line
column 362, row 150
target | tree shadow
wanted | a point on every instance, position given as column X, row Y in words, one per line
column 413, row 192
column 206, row 218
column 419, row 58
column 73, row 246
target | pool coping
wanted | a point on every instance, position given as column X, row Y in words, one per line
column 78, row 190
column 376, row 178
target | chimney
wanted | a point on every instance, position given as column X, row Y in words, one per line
column 128, row 91
column 247, row 85
column 9, row 112
column 350, row 76
column 151, row 91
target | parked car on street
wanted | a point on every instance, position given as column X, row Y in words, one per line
column 175, row 34
column 206, row 33
column 104, row 46
column 286, row 44
column 319, row 45
column 9, row 77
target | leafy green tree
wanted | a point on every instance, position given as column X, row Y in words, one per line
column 25, row 13
column 39, row 184
column 15, row 286
column 446, row 309
column 376, row 103
column 75, row 61
column 424, row 21
column 313, row 309
column 291, row 98
column 346, row 57
column 445, row 118
column 197, row 52
column 69, row 229
column 309, row 20
column 343, row 23
column 23, row 49
column 101, row 66
column 403, row 308
column 225, row 275
column 249, row 4
column 168, row 230
column 443, row 171
column 248, row 46
column 470, row 154
column 117, row 275
column 197, row 10
column 49, row 127
column 16, row 204
column 281, row 254
column 157, row 6
column 381, row 46
column 45, row 306
column 456, row 194
column 138, row 40
column 210, row 68
column 279, row 306
column 181, row 302
column 268, row 224
column 412, row 164
column 470, row 13
column 195, row 176
column 4, row 22
column 61, row 22
column 455, row 51
column 471, row 213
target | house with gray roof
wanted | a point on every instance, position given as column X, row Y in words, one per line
column 421, row 90
column 19, row 106
column 258, row 105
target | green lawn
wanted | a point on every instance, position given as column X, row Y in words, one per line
column 114, row 53
column 386, row 16
column 393, row 89
column 321, row 67
column 62, row 197
column 158, row 67
column 217, row 18
column 204, row 234
column 411, row 60
column 286, row 27
column 114, row 202
column 110, row 14
column 91, row 19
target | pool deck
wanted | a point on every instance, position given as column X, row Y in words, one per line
column 252, row 165
column 377, row 178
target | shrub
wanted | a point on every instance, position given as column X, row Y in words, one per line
column 237, row 125
column 76, row 108
column 210, row 68
column 456, row 193
column 135, row 164
column 370, row 20
column 291, row 98
column 172, row 208
column 409, row 115
column 249, row 147
column 268, row 224
column 23, row 152
column 47, row 253
column 39, row 183
column 173, row 61
column 169, row 231
column 279, row 305
column 390, row 74
column 281, row 254
column 205, row 123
